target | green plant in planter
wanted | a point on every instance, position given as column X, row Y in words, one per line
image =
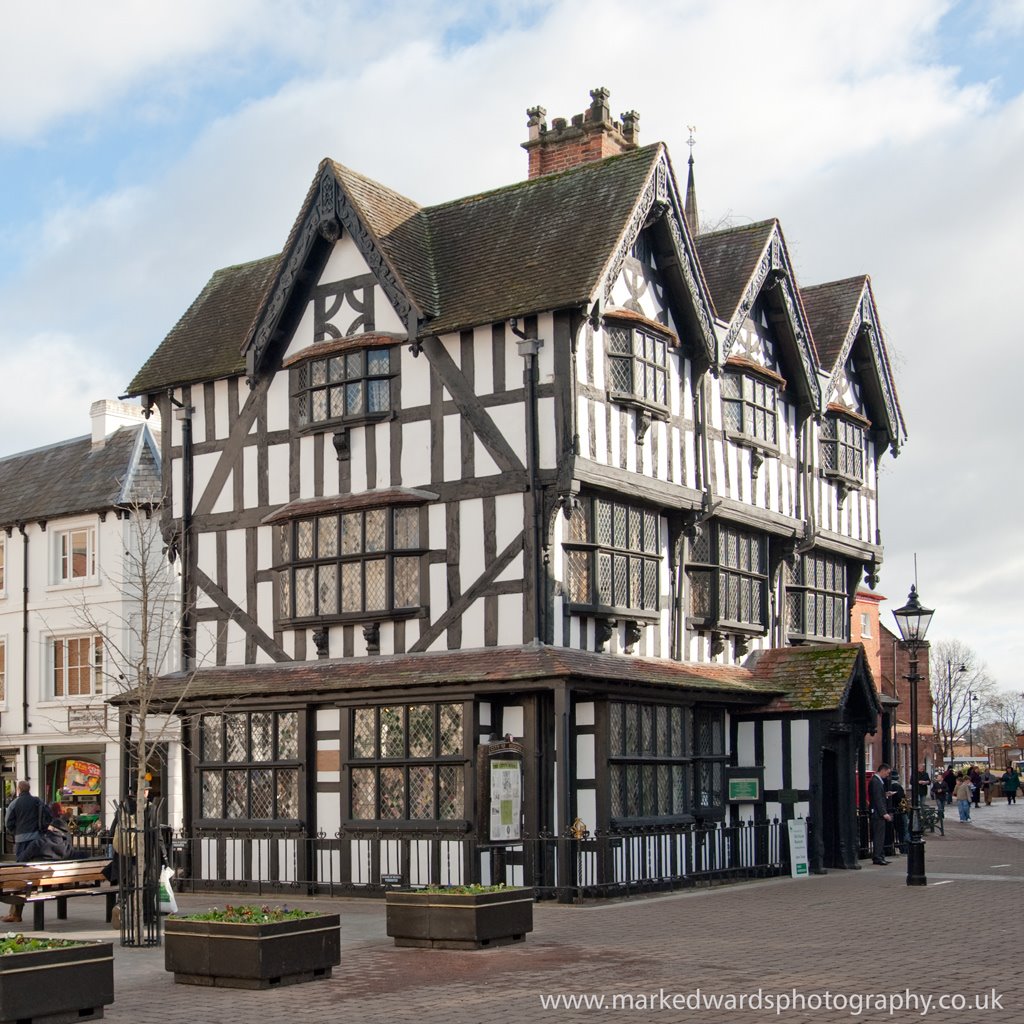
column 246, row 914
column 13, row 943
column 464, row 890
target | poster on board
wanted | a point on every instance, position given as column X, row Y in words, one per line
column 506, row 800
column 81, row 778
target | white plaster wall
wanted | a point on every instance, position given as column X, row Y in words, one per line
column 277, row 473
column 773, row 754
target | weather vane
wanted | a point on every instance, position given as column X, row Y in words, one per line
column 691, row 141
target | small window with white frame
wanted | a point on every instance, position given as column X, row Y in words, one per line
column 865, row 625
column 76, row 666
column 74, row 554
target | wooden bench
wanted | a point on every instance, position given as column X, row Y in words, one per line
column 39, row 882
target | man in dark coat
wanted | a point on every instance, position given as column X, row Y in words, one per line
column 27, row 818
column 879, row 813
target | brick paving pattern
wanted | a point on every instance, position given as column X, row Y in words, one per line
column 849, row 932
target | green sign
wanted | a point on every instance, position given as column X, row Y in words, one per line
column 744, row 790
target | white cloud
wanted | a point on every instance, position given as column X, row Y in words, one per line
column 836, row 120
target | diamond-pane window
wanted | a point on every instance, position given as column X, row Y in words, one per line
column 364, row 733
column 262, row 793
column 236, row 736
column 749, row 406
column 392, row 793
column 213, row 746
column 407, row 528
column 421, row 792
column 287, row 735
column 262, row 731
column 366, row 372
column 637, row 363
column 212, row 795
column 392, row 732
column 364, row 793
column 237, row 797
column 450, row 788
column 421, row 730
column 287, row 792
column 451, row 729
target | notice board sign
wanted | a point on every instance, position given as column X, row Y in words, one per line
column 506, row 800
column 745, row 785
column 798, row 863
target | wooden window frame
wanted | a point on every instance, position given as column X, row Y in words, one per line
column 803, row 597
column 721, row 571
column 312, row 376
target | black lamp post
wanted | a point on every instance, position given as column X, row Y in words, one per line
column 971, row 698
column 912, row 620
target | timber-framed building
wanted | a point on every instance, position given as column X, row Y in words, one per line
column 540, row 491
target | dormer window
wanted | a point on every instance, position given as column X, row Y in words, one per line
column 750, row 406
column 842, row 447
column 346, row 385
column 637, row 363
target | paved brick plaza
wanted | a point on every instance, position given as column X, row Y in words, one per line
column 849, row 932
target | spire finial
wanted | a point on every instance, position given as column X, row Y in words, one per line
column 690, row 206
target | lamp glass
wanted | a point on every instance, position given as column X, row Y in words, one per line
column 913, row 619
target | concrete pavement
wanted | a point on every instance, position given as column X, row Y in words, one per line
column 848, row 933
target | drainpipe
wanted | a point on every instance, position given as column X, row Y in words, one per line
column 183, row 413
column 529, row 347
column 25, row 723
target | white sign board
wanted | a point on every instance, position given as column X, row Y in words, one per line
column 798, row 864
column 506, row 800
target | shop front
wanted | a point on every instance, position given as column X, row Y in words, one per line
column 75, row 780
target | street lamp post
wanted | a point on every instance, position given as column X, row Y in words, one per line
column 912, row 620
column 971, row 698
column 951, row 673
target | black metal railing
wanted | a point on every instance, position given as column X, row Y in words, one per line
column 138, row 856
column 269, row 862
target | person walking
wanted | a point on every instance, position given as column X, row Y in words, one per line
column 879, row 813
column 949, row 777
column 1011, row 783
column 987, row 778
column 27, row 817
column 975, row 776
column 962, row 795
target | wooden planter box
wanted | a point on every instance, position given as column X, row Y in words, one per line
column 252, row 955
column 441, row 920
column 58, row 985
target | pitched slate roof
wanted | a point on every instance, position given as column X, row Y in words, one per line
column 729, row 259
column 536, row 245
column 514, row 665
column 72, row 477
column 830, row 308
column 206, row 343
column 811, row 678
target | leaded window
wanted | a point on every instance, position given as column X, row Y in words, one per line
column 249, row 766
column 613, row 555
column 727, row 569
column 637, row 363
column 350, row 563
column 816, row 597
column 842, row 447
column 408, row 763
column 650, row 770
column 351, row 385
column 708, row 760
column 750, row 406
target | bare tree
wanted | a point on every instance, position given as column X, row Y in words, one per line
column 1005, row 717
column 962, row 690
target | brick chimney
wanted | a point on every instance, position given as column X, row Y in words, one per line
column 592, row 135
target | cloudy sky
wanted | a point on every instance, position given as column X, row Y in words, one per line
column 145, row 143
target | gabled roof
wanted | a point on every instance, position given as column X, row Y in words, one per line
column 74, row 477
column 205, row 344
column 740, row 263
column 843, row 314
column 536, row 663
column 729, row 259
column 546, row 243
column 815, row 678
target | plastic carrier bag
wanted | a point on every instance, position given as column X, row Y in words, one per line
column 168, row 904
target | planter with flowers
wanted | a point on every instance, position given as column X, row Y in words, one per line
column 251, row 947
column 459, row 917
column 43, row 979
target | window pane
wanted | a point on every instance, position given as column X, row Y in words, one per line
column 304, row 539
column 262, row 799
column 620, row 372
column 351, row 533
column 407, row 528
column 450, row 797
column 287, row 792
column 327, row 589
column 212, row 796
column 407, row 582
column 577, row 574
column 319, row 405
column 364, row 793
column 378, row 362
column 354, row 398
column 327, row 536
column 213, row 746
column 392, row 793
column 451, row 729
column 352, row 587
column 376, row 532
column 615, row 729
column 262, row 737
column 236, row 727
column 304, row 592
column 392, row 732
column 378, row 396
column 376, row 585
column 287, row 735
column 285, row 592
column 318, row 371
column 336, row 368
column 421, row 792
column 336, row 403
column 421, row 730
column 364, row 733
column 237, row 796
column 354, row 365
